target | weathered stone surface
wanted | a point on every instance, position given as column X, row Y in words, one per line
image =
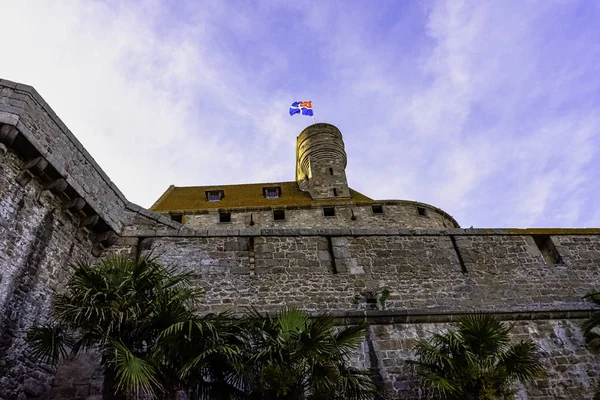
column 38, row 241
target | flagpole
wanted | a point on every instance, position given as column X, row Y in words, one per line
column 314, row 120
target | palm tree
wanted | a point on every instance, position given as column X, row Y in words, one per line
column 293, row 356
column 475, row 361
column 134, row 313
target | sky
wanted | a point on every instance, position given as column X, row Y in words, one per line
column 489, row 110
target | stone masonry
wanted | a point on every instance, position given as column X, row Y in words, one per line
column 58, row 206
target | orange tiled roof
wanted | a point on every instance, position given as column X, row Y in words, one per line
column 245, row 195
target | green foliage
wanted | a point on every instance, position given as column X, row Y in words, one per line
column 476, row 360
column 294, row 356
column 591, row 325
column 132, row 312
column 140, row 316
column 385, row 293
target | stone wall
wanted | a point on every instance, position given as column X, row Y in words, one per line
column 39, row 240
column 56, row 207
column 395, row 214
column 421, row 271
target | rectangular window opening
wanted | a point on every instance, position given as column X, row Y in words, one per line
column 330, row 171
column 377, row 209
column 422, row 211
column 335, row 192
column 329, row 211
column 177, row 218
column 272, row 192
column 224, row 217
column 279, row 215
column 547, row 249
column 214, row 195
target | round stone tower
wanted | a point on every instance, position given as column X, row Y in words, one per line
column 321, row 162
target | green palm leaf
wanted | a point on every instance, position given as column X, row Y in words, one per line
column 134, row 374
column 50, row 343
column 475, row 360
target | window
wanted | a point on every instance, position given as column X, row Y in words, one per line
column 224, row 217
column 279, row 215
column 422, row 211
column 272, row 193
column 335, row 192
column 377, row 209
column 547, row 249
column 177, row 218
column 214, row 195
column 329, row 211
column 330, row 171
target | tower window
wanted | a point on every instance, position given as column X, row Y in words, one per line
column 422, row 211
column 224, row 217
column 272, row 192
column 279, row 215
column 330, row 171
column 329, row 212
column 377, row 209
column 177, row 218
column 214, row 195
column 334, row 191
column 547, row 249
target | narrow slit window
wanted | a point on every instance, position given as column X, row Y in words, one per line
column 329, row 211
column 224, row 217
column 330, row 171
column 422, row 211
column 377, row 209
column 335, row 192
column 547, row 249
column 279, row 215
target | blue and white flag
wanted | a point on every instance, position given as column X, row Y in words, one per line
column 301, row 107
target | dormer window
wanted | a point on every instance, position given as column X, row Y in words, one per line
column 272, row 192
column 214, row 195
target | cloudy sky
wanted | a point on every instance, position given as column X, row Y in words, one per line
column 489, row 110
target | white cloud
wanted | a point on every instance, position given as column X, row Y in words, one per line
column 480, row 108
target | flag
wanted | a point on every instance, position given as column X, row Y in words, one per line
column 301, row 107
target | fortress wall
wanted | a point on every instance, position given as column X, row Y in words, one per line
column 396, row 214
column 573, row 370
column 38, row 240
column 38, row 123
column 421, row 272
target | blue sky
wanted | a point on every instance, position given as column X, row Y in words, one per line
column 489, row 110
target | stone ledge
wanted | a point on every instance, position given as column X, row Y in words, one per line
column 368, row 231
column 387, row 317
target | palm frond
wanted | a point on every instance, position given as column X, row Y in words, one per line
column 591, row 323
column 134, row 374
column 523, row 361
column 50, row 342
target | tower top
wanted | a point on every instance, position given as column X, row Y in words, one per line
column 321, row 162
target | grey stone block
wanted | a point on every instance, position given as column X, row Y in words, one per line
column 9, row 118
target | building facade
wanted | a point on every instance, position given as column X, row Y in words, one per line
column 312, row 243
